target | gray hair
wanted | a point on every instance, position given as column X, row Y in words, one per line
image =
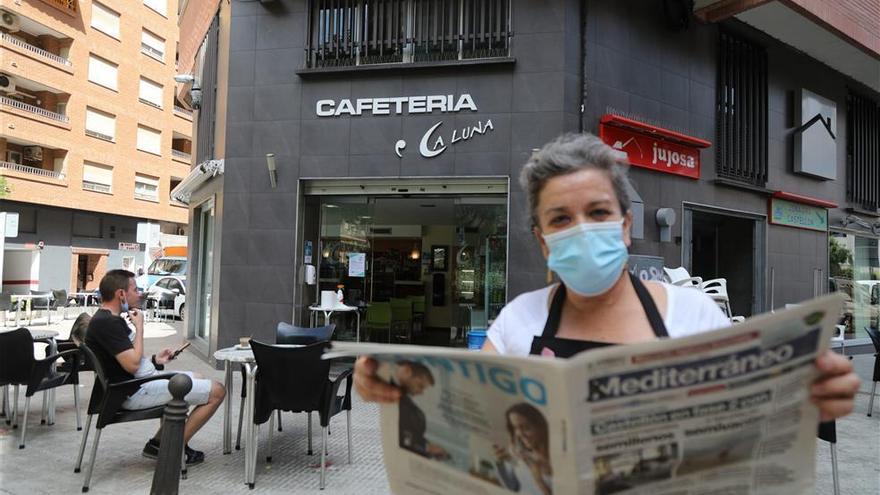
column 571, row 153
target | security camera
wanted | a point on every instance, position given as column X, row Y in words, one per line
column 196, row 95
column 185, row 78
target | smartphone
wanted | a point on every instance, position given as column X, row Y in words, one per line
column 181, row 349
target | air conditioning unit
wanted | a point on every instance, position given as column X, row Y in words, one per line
column 7, row 83
column 9, row 21
column 33, row 153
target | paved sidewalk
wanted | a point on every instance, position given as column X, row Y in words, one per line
column 46, row 465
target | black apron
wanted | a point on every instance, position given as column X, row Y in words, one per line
column 565, row 348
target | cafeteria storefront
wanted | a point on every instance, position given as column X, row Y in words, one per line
column 424, row 259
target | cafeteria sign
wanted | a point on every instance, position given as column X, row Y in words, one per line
column 798, row 215
column 432, row 142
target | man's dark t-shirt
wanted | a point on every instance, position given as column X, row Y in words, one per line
column 107, row 336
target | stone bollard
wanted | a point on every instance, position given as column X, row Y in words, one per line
column 168, row 467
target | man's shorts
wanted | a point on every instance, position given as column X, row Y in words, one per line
column 155, row 393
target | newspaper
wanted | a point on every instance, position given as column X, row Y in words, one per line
column 722, row 412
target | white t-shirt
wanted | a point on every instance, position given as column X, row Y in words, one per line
column 688, row 312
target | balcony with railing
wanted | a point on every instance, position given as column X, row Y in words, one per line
column 14, row 42
column 6, row 102
column 181, row 156
column 69, row 7
column 182, row 112
column 29, row 170
column 344, row 34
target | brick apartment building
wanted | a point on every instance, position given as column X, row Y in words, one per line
column 92, row 138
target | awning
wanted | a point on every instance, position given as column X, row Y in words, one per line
column 196, row 178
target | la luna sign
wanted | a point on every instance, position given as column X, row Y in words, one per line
column 433, row 141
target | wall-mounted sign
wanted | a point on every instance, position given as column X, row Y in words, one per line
column 433, row 141
column 357, row 264
column 396, row 105
column 652, row 147
column 815, row 141
column 129, row 246
column 802, row 216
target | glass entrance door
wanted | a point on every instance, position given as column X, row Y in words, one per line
column 205, row 273
column 420, row 268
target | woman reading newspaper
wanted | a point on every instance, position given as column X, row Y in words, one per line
column 581, row 218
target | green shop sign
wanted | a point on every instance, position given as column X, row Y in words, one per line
column 798, row 215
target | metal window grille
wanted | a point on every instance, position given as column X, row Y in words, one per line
column 208, row 81
column 361, row 32
column 863, row 152
column 742, row 111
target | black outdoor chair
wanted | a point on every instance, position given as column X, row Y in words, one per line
column 296, row 379
column 106, row 402
column 875, row 338
column 42, row 303
column 285, row 334
column 828, row 432
column 291, row 334
column 19, row 367
column 59, row 301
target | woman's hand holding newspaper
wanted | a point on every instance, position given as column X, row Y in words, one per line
column 835, row 389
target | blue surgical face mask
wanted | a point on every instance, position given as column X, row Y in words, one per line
column 123, row 307
column 588, row 257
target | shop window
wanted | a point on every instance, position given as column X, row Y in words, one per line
column 854, row 265
column 742, row 111
column 863, row 152
column 363, row 32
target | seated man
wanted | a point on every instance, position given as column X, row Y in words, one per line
column 122, row 356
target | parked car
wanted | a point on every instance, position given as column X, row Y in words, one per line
column 160, row 267
column 170, row 294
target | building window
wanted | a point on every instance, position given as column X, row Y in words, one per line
column 863, row 152
column 152, row 45
column 102, row 72
column 742, row 111
column 150, row 93
column 105, row 20
column 13, row 156
column 61, row 108
column 854, row 265
column 160, row 6
column 146, row 187
column 149, row 140
column 100, row 124
column 97, row 177
column 362, row 32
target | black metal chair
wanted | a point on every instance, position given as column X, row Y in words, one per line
column 875, row 338
column 42, row 303
column 828, row 432
column 19, row 367
column 291, row 334
column 285, row 333
column 59, row 301
column 106, row 402
column 296, row 379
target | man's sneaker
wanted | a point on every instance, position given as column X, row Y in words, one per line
column 193, row 456
column 151, row 449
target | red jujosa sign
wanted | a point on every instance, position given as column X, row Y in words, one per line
column 652, row 147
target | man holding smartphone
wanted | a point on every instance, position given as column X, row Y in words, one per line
column 121, row 353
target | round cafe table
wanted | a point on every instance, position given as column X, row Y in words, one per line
column 232, row 356
column 328, row 313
